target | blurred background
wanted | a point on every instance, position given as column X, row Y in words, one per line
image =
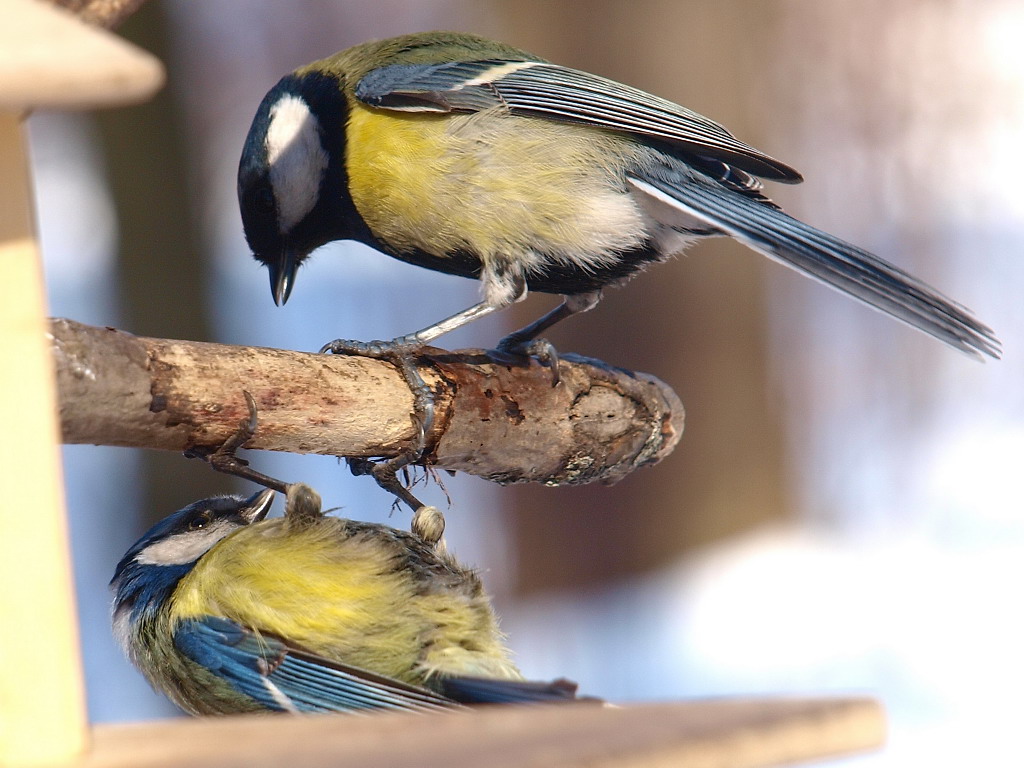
column 845, row 512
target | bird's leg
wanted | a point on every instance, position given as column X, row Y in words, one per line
column 400, row 354
column 302, row 505
column 525, row 341
column 224, row 459
column 411, row 341
column 399, row 351
column 386, row 475
column 449, row 324
column 571, row 305
column 427, row 521
column 510, row 288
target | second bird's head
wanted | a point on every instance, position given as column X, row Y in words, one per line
column 292, row 184
column 152, row 567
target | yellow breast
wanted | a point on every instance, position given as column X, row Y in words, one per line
column 491, row 184
column 338, row 596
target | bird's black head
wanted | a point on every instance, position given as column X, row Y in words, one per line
column 292, row 184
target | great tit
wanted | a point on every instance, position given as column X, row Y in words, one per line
column 226, row 611
column 471, row 157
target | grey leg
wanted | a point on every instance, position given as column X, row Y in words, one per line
column 525, row 341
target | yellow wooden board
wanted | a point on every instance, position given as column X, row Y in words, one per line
column 49, row 58
column 42, row 707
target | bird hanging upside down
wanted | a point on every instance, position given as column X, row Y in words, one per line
column 471, row 157
column 226, row 611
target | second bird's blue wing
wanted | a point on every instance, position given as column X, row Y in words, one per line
column 282, row 678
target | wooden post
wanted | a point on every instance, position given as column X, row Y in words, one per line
column 47, row 58
column 42, row 704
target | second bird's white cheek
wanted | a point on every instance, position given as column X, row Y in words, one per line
column 184, row 548
column 296, row 158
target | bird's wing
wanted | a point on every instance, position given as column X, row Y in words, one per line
column 539, row 89
column 818, row 254
column 283, row 678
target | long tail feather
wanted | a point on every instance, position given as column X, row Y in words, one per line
column 818, row 254
column 480, row 690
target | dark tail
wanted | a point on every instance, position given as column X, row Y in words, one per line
column 818, row 254
column 482, row 690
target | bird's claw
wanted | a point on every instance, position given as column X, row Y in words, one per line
column 223, row 459
column 377, row 349
column 399, row 352
column 543, row 350
column 385, row 473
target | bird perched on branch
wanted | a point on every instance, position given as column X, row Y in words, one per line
column 471, row 157
column 226, row 611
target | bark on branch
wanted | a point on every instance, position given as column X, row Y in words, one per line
column 504, row 423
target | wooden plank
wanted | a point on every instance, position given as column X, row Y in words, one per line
column 735, row 733
column 49, row 58
column 42, row 704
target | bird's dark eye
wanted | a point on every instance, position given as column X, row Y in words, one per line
column 200, row 521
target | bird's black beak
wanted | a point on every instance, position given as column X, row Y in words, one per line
column 256, row 507
column 282, row 277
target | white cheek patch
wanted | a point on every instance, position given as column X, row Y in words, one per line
column 184, row 548
column 297, row 160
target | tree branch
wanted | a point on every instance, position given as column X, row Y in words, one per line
column 504, row 423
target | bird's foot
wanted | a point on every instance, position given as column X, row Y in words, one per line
column 513, row 348
column 378, row 350
column 400, row 353
column 385, row 473
column 224, row 458
column 428, row 524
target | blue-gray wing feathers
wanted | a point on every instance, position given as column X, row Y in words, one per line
column 545, row 90
column 281, row 678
